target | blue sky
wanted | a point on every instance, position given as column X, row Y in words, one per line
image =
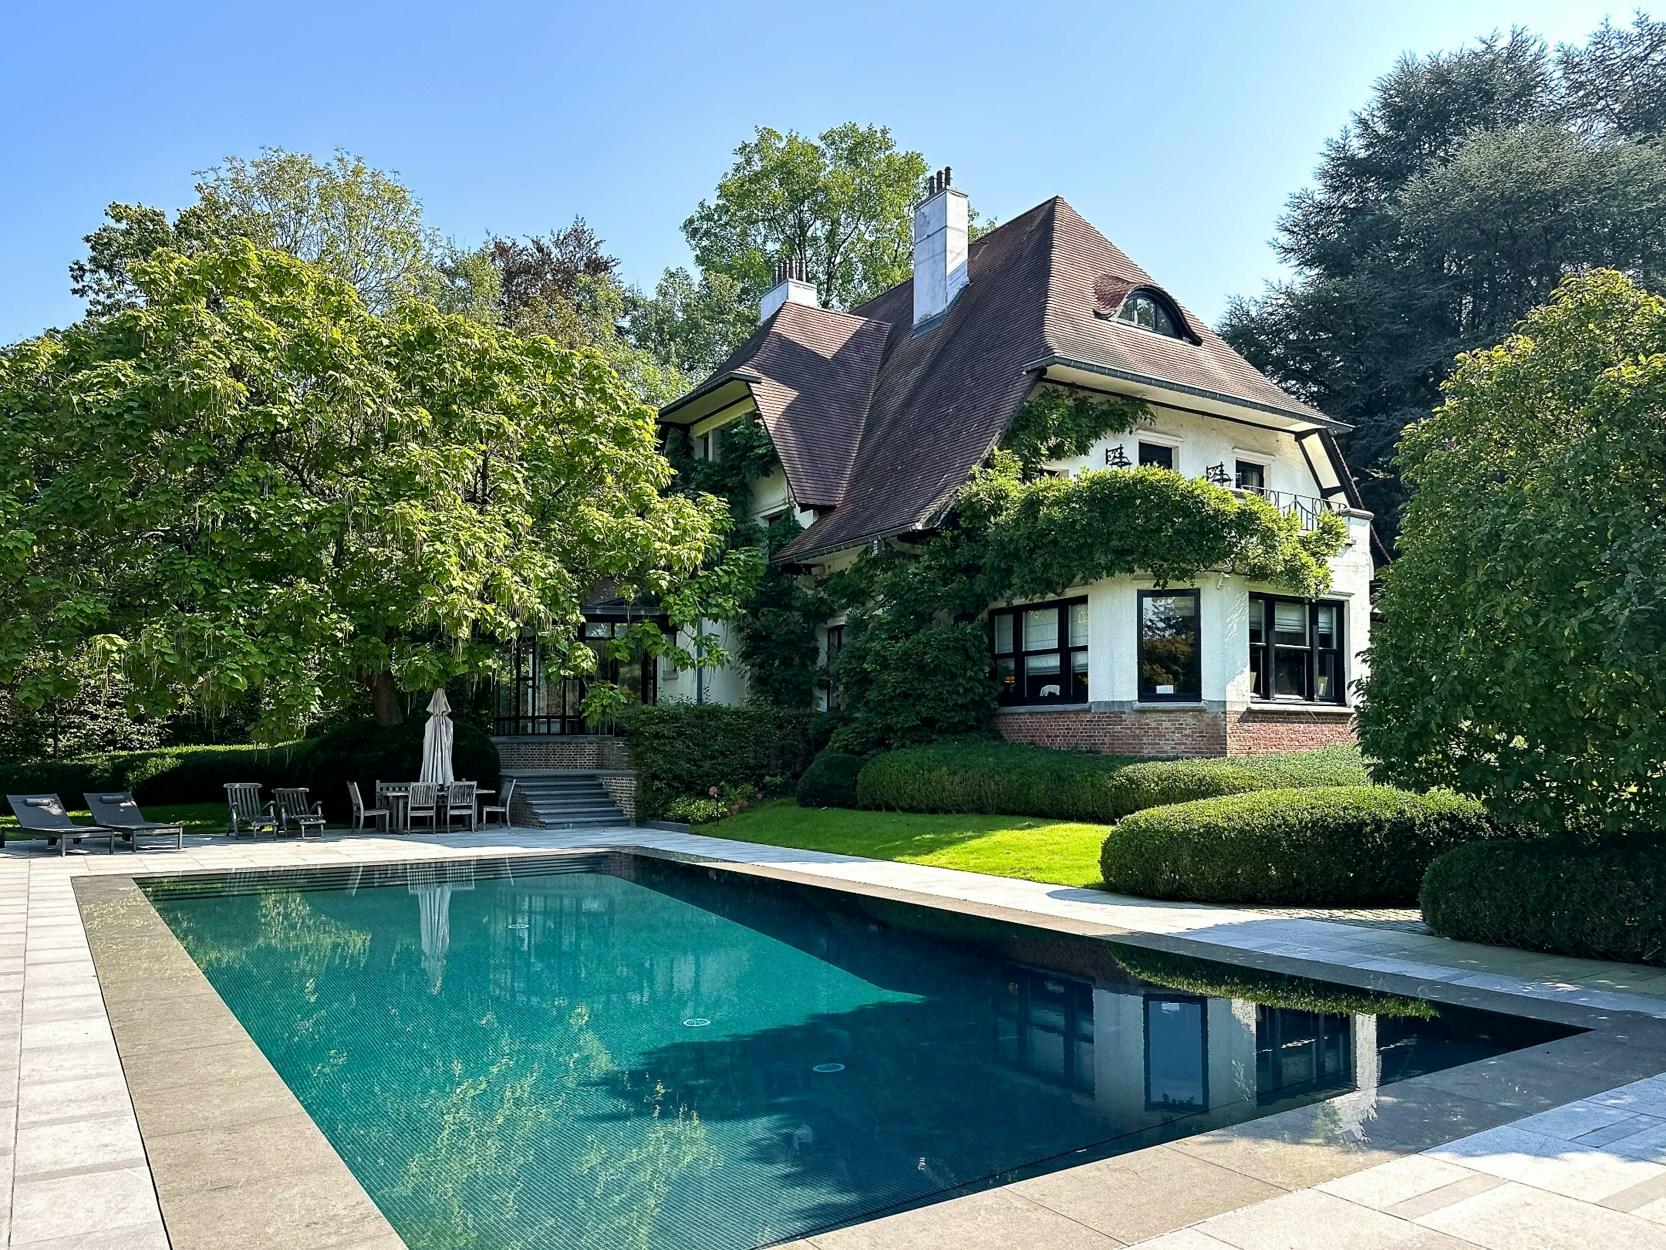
column 1178, row 128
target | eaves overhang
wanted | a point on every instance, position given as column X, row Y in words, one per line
column 710, row 397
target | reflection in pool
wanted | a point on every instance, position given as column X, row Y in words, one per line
column 624, row 1052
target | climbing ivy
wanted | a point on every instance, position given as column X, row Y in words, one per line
column 1059, row 424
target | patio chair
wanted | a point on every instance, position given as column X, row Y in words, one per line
column 500, row 809
column 119, row 810
column 295, row 813
column 45, row 816
column 362, row 815
column 459, row 804
column 246, row 812
column 423, row 803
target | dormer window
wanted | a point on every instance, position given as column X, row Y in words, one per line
column 1145, row 310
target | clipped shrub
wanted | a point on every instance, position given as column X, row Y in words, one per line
column 1551, row 896
column 830, row 781
column 693, row 809
column 1269, row 989
column 989, row 775
column 166, row 775
column 1340, row 846
column 682, row 749
column 366, row 752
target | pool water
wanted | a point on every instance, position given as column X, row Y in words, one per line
column 621, row 1052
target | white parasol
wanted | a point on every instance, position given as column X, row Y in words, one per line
column 436, row 741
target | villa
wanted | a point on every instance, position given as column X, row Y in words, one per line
column 879, row 415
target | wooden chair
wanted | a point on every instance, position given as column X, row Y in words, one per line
column 247, row 812
column 459, row 804
column 500, row 809
column 377, row 816
column 424, row 804
column 295, row 813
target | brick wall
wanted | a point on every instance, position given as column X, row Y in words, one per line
column 556, row 751
column 1117, row 731
column 1260, row 731
column 621, row 788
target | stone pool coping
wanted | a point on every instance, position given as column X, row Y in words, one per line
column 1143, row 1194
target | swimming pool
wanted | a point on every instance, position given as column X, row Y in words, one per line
column 622, row 1051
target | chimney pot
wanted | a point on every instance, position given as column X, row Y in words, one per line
column 791, row 286
column 942, row 237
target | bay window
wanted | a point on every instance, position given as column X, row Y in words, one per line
column 1040, row 652
column 1170, row 659
column 1295, row 650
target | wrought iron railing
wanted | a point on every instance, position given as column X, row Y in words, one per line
column 1307, row 508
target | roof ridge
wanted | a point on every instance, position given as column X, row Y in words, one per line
column 837, row 312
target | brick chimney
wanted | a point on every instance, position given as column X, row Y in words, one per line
column 792, row 286
column 941, row 237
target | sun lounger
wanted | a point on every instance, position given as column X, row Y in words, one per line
column 45, row 816
column 118, row 810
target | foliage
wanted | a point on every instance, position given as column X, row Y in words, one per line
column 830, row 781
column 350, row 219
column 690, row 324
column 715, row 804
column 93, row 720
column 1268, row 989
column 366, row 752
column 1551, row 896
column 1400, row 259
column 989, row 775
column 1055, row 423
column 1521, row 656
column 1004, row 846
column 161, row 776
column 251, row 481
column 916, row 660
column 680, row 749
column 1335, row 846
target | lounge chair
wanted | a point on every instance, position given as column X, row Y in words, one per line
column 246, row 813
column 119, row 811
column 294, row 812
column 45, row 816
column 501, row 809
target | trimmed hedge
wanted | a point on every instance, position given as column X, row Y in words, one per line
column 366, row 752
column 830, row 781
column 687, row 748
column 188, row 774
column 1269, row 989
column 1342, row 846
column 992, row 776
column 1551, row 896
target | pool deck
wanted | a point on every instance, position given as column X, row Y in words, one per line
column 1561, row 1145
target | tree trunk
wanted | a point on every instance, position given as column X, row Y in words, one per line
column 384, row 698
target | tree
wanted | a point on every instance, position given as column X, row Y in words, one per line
column 1521, row 656
column 347, row 217
column 688, row 324
column 1452, row 204
column 252, row 481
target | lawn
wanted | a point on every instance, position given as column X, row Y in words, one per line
column 1028, row 847
column 196, row 817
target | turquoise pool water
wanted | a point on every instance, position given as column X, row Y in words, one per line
column 621, row 1052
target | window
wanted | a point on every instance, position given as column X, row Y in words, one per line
column 1296, row 650
column 1159, row 454
column 1041, row 652
column 1176, row 1053
column 835, row 644
column 1252, row 475
column 1170, row 666
column 1147, row 312
column 711, row 445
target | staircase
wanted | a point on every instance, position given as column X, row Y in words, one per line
column 566, row 799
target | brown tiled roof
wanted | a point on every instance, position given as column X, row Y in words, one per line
column 882, row 423
column 811, row 372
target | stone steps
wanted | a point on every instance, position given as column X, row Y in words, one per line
column 565, row 800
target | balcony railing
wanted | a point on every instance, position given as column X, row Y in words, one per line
column 1307, row 507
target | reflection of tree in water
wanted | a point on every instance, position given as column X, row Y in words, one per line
column 449, row 1104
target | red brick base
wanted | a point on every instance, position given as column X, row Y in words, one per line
column 1261, row 731
column 1160, row 734
column 562, row 751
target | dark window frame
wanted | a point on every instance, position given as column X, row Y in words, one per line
column 1264, row 676
column 1064, row 648
column 1190, row 1000
column 1167, row 450
column 835, row 644
column 1193, row 696
column 1260, row 467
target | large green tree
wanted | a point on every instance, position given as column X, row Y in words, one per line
column 251, row 481
column 1521, row 656
column 1453, row 203
column 344, row 215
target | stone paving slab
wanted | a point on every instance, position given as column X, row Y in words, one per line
column 1424, row 1172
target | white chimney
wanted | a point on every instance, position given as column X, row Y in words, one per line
column 940, row 240
column 792, row 286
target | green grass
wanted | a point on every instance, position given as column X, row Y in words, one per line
column 1029, row 848
column 196, row 817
